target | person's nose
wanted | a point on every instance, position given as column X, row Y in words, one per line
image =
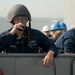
column 20, row 21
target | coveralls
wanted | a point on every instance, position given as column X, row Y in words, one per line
column 11, row 44
column 66, row 42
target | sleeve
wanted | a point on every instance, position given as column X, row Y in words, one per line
column 5, row 39
column 47, row 44
column 69, row 43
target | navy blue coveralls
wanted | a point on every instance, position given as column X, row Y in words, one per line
column 10, row 44
column 66, row 42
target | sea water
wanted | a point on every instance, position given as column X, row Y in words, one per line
column 36, row 23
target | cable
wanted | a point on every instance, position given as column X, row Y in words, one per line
column 71, row 73
column 54, row 67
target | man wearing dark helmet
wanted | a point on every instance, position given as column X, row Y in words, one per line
column 23, row 39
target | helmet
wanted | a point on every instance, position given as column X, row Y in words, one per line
column 55, row 26
column 45, row 28
column 63, row 25
column 18, row 10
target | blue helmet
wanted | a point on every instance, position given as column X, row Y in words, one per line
column 55, row 26
column 63, row 25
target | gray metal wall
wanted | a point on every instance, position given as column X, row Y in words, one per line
column 31, row 64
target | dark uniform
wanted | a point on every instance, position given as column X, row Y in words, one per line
column 11, row 44
column 66, row 42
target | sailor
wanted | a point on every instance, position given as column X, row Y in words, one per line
column 56, row 31
column 66, row 42
column 21, row 38
column 46, row 31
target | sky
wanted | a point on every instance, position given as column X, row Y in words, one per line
column 37, row 8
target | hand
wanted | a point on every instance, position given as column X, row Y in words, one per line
column 17, row 29
column 1, row 72
column 48, row 60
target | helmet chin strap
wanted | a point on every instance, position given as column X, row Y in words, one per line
column 29, row 28
column 29, row 43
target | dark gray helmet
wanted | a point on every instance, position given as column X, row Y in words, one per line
column 18, row 10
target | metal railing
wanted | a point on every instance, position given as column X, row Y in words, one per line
column 31, row 64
